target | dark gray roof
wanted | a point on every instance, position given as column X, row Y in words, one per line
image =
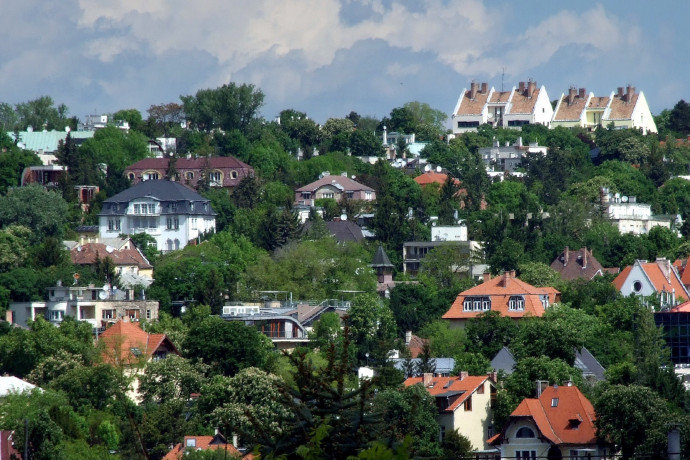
column 381, row 259
column 345, row 230
column 503, row 361
column 443, row 365
column 187, row 200
column 588, row 364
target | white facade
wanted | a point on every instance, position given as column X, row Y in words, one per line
column 449, row 233
column 630, row 216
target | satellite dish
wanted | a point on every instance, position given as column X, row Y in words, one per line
column 102, row 295
column 109, row 249
column 624, row 199
column 438, row 169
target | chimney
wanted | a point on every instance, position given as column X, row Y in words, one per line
column 541, row 385
column 463, row 375
column 566, row 256
column 630, row 93
column 493, row 376
column 531, row 86
column 485, row 88
column 665, row 267
column 487, row 276
column 572, row 92
column 620, row 91
column 583, row 92
column 234, row 440
column 522, row 88
column 427, row 378
column 474, row 86
column 584, row 258
column 408, row 337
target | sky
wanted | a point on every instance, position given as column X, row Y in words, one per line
column 330, row 57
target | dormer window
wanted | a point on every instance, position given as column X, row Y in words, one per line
column 516, row 303
column 476, row 304
column 525, row 432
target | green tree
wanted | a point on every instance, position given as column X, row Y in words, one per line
column 227, row 107
column 365, row 143
column 166, row 118
column 538, row 274
column 679, row 118
column 41, row 113
column 34, row 207
column 226, row 346
column 173, row 378
column 372, row 327
column 489, row 332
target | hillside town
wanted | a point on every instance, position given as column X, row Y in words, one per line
column 509, row 280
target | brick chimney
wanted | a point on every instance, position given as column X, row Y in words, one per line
column 584, row 258
column 572, row 92
column 493, row 375
column 487, row 276
column 630, row 92
column 665, row 267
column 521, row 88
column 531, row 87
column 474, row 86
column 485, row 88
column 583, row 92
column 463, row 375
column 620, row 91
column 427, row 377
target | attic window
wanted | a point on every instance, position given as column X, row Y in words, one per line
column 135, row 351
column 554, row 402
column 525, row 432
column 191, row 442
column 637, row 286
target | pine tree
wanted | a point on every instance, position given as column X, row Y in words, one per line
column 426, row 364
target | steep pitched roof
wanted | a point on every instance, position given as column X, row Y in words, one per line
column 522, row 103
column 124, row 342
column 503, row 361
column 562, row 415
column 656, row 276
column 432, row 177
column 469, row 106
column 89, row 253
column 621, row 108
column 577, row 264
column 450, row 386
column 342, row 182
column 381, row 258
column 570, row 112
column 345, row 230
column 500, row 289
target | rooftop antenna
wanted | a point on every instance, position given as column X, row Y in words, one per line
column 503, row 75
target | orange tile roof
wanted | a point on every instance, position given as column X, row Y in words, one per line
column 432, row 177
column 125, row 336
column 416, row 345
column 523, row 104
column 621, row 109
column 450, row 386
column 571, row 421
column 570, row 112
column 499, row 290
column 684, row 274
column 202, row 443
column 656, row 277
column 474, row 106
column 500, row 97
column 682, row 308
column 89, row 253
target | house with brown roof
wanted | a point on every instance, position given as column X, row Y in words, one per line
column 558, row 423
column 127, row 260
column 505, row 294
column 571, row 109
column 580, row 264
column 464, row 403
column 659, row 278
column 629, row 109
column 514, row 108
column 335, row 187
column 226, row 172
column 196, row 443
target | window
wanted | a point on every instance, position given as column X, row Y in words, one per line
column 190, row 175
column 480, row 389
column 468, row 124
column 525, row 432
column 113, row 225
column 151, row 175
column 637, row 286
column 554, row 402
column 148, row 313
column 476, row 304
column 169, row 245
column 152, row 208
column 55, row 315
column 108, row 314
column 525, row 455
column 516, row 303
column 136, row 209
column 368, row 195
column 172, row 223
column 350, row 195
column 328, row 194
column 233, row 174
column 131, row 176
column 442, row 434
column 468, row 404
column 177, row 243
column 216, row 178
column 306, row 195
column 193, row 219
column 173, row 207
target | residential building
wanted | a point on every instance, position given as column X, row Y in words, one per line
column 514, row 108
column 629, row 216
column 278, row 324
column 415, row 251
column 505, row 294
column 681, row 265
column 99, row 306
column 172, row 213
column 45, row 143
column 629, row 109
column 225, row 172
column 571, row 109
column 196, row 443
column 390, row 143
column 585, row 361
column 558, row 423
column 580, row 264
column 658, row 278
column 335, row 187
column 96, row 122
column 443, row 366
column 464, row 403
column 433, row 177
column 508, row 158
column 10, row 384
column 129, row 261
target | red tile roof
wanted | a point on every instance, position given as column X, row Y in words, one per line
column 416, row 345
column 432, row 177
column 122, row 337
column 499, row 290
column 89, row 253
column 201, row 443
column 343, row 181
column 570, row 421
column 450, row 386
column 656, row 277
